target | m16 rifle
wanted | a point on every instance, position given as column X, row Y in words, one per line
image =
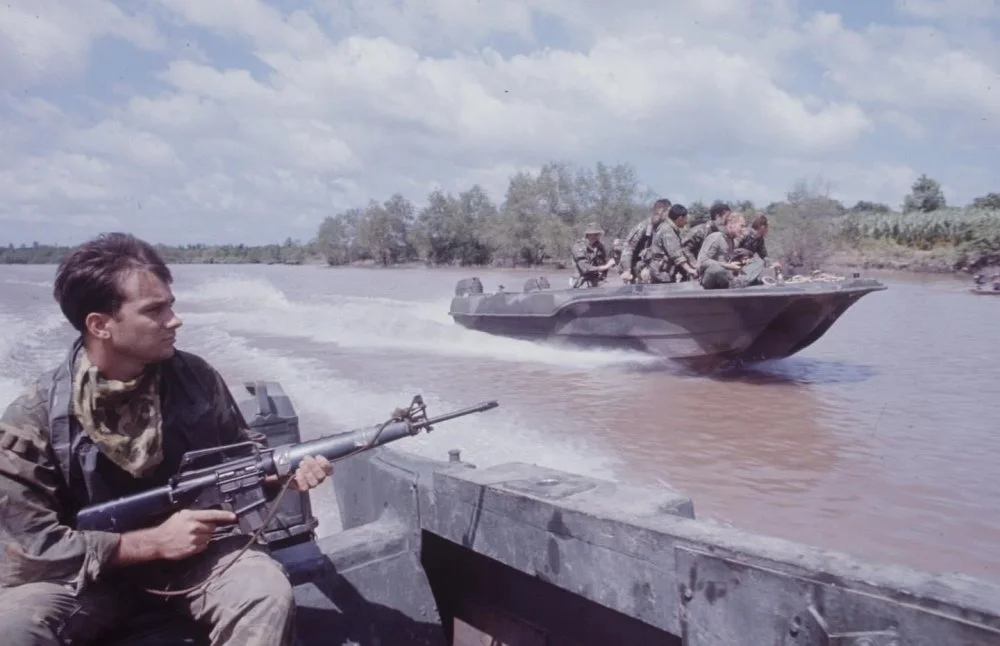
column 233, row 477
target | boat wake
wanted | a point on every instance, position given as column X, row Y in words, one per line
column 363, row 323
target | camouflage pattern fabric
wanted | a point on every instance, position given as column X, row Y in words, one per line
column 754, row 244
column 695, row 238
column 636, row 245
column 587, row 258
column 122, row 418
column 666, row 253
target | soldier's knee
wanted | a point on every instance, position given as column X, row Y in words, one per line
column 266, row 584
column 32, row 613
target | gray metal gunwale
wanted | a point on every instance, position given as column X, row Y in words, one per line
column 769, row 293
column 951, row 595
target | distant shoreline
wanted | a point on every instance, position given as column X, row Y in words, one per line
column 866, row 257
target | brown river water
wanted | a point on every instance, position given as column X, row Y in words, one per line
column 881, row 440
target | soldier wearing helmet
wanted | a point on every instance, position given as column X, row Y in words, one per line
column 590, row 258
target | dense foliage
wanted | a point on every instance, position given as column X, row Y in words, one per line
column 542, row 213
column 289, row 252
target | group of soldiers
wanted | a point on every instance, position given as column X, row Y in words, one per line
column 719, row 253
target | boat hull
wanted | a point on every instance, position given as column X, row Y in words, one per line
column 682, row 322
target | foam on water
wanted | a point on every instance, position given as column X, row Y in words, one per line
column 334, row 404
column 369, row 323
column 27, row 348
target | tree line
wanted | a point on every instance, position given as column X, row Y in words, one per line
column 542, row 214
column 290, row 252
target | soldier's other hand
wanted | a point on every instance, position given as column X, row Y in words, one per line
column 312, row 471
column 188, row 531
column 627, row 275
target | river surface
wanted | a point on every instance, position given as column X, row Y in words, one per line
column 881, row 440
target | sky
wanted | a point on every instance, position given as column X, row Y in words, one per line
column 244, row 121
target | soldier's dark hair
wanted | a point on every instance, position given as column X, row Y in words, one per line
column 677, row 211
column 90, row 276
column 759, row 221
column 718, row 210
column 661, row 205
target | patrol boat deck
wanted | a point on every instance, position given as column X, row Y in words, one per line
column 684, row 322
column 440, row 553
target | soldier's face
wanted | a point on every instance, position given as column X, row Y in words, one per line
column 145, row 327
column 593, row 238
column 736, row 227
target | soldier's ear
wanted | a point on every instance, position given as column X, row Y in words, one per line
column 98, row 325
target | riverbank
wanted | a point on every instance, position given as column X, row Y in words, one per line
column 889, row 256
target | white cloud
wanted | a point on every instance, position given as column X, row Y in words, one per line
column 907, row 67
column 950, row 9
column 906, row 124
column 322, row 108
column 44, row 41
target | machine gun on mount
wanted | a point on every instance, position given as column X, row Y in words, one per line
column 233, row 477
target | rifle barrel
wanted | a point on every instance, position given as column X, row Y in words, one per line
column 286, row 458
column 477, row 408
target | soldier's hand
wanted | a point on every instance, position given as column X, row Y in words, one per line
column 188, row 531
column 312, row 471
column 627, row 275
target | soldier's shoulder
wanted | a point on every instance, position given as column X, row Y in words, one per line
column 28, row 411
column 195, row 364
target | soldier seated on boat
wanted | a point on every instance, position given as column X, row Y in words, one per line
column 695, row 237
column 753, row 241
column 590, row 258
column 668, row 262
column 114, row 419
column 635, row 251
column 719, row 262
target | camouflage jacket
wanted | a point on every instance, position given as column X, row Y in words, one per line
column 587, row 259
column 49, row 469
column 667, row 253
column 636, row 242
column 696, row 236
column 718, row 247
column 754, row 243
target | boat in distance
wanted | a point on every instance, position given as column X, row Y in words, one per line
column 703, row 329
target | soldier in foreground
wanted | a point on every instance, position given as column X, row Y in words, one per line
column 635, row 256
column 668, row 262
column 590, row 258
column 114, row 419
column 719, row 261
column 696, row 236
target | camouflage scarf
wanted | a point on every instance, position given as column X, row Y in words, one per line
column 121, row 417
